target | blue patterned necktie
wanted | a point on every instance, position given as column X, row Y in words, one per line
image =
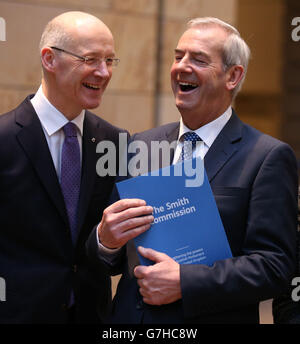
column 71, row 175
column 189, row 144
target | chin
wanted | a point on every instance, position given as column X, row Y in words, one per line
column 91, row 105
column 183, row 106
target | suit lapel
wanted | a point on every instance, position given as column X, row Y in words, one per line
column 172, row 136
column 88, row 169
column 156, row 161
column 32, row 138
column 221, row 150
column 223, row 147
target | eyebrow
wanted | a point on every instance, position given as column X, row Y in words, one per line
column 198, row 53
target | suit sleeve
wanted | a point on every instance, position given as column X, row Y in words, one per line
column 111, row 264
column 285, row 309
column 268, row 258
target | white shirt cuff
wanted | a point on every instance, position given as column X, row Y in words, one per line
column 104, row 249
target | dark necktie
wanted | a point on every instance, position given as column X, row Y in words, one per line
column 189, row 144
column 71, row 175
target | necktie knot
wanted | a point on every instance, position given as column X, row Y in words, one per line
column 187, row 148
column 70, row 129
column 192, row 137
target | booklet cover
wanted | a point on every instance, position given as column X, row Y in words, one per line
column 187, row 225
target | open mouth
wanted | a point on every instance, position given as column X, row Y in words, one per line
column 187, row 86
column 91, row 86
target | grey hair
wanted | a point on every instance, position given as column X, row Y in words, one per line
column 235, row 49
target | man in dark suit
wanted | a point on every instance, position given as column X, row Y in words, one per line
column 51, row 196
column 253, row 178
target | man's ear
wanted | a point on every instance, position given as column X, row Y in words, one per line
column 48, row 59
column 234, row 76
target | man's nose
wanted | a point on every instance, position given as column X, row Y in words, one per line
column 102, row 70
column 184, row 65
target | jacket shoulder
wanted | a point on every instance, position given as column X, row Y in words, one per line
column 262, row 140
column 8, row 121
column 102, row 123
column 156, row 133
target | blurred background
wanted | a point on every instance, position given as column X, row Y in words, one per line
column 146, row 32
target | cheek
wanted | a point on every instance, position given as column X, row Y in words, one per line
column 173, row 71
column 173, row 77
column 109, row 77
column 213, row 79
column 104, row 85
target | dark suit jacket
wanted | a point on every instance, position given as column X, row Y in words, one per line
column 254, row 180
column 37, row 259
column 285, row 309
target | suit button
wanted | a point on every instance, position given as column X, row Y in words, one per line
column 74, row 268
column 139, row 305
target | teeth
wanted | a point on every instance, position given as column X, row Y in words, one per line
column 95, row 87
column 187, row 84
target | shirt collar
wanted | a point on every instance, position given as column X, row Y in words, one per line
column 51, row 119
column 208, row 132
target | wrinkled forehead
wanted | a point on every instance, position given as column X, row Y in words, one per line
column 207, row 39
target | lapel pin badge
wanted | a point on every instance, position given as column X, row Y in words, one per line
column 93, row 140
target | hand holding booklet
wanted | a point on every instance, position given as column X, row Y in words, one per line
column 187, row 225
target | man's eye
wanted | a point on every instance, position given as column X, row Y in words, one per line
column 178, row 58
column 109, row 61
column 201, row 62
column 90, row 60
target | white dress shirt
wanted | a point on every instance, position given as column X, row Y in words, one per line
column 52, row 122
column 208, row 133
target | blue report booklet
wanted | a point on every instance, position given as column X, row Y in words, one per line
column 187, row 225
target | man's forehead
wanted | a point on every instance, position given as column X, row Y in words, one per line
column 198, row 39
column 97, row 39
column 205, row 33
